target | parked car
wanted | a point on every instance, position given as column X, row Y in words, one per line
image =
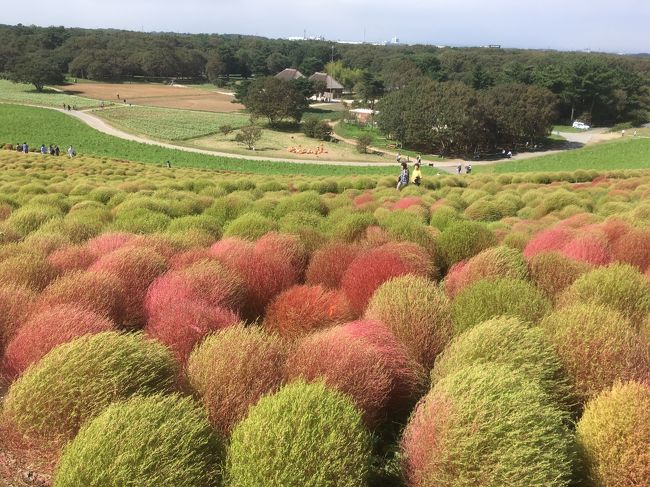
column 580, row 125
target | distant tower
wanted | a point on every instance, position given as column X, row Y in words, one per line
column 304, row 34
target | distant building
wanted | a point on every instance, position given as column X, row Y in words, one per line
column 333, row 89
column 363, row 115
column 290, row 74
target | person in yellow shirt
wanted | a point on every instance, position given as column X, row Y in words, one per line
column 417, row 174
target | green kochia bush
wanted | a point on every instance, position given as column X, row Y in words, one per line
column 304, row 435
column 489, row 298
column 250, row 226
column 613, row 436
column 157, row 440
column 463, row 240
column 77, row 380
column 510, row 342
column 488, row 425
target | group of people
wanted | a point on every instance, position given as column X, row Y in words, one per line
column 52, row 150
column 69, row 108
column 405, row 177
column 468, row 169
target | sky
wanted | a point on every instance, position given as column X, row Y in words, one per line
column 597, row 25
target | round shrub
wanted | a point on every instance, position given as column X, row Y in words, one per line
column 265, row 271
column 494, row 262
column 354, row 367
column 589, row 248
column 613, row 436
column 462, row 240
column 619, row 286
column 409, row 378
column 329, row 263
column 350, row 227
column 232, row 369
column 301, row 310
column 597, row 346
column 405, row 226
column 184, row 323
column 417, row 312
column 75, row 381
column 369, row 270
column 487, row 425
column 140, row 220
column 633, row 249
column 158, row 440
column 15, row 304
column 548, row 240
column 108, row 242
column 415, row 256
column 207, row 281
column 27, row 269
column 510, row 342
column 443, row 216
column 136, row 268
column 29, row 218
column 289, row 245
column 250, row 226
column 43, row 331
column 100, row 292
column 489, row 298
column 552, row 272
column 68, row 259
column 305, row 434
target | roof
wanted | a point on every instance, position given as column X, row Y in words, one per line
column 289, row 74
column 330, row 82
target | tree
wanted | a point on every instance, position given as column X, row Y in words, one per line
column 369, row 89
column 276, row 62
column 38, row 69
column 317, row 129
column 275, row 99
column 363, row 142
column 249, row 136
column 215, row 69
column 226, row 129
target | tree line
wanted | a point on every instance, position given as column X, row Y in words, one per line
column 454, row 119
column 597, row 88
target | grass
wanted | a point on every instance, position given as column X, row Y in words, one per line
column 168, row 123
column 628, row 153
column 42, row 126
column 27, row 94
column 353, row 131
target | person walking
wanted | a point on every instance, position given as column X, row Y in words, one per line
column 459, row 168
column 57, row 151
column 403, row 179
column 43, row 149
column 398, row 158
column 623, row 133
column 25, row 148
column 468, row 170
column 417, row 174
column 71, row 152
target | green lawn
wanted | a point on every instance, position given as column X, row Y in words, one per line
column 27, row 94
column 354, row 131
column 629, row 153
column 169, row 123
column 42, row 126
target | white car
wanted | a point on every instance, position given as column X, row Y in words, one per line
column 580, row 125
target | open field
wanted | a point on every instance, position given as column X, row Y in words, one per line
column 27, row 94
column 169, row 124
column 628, row 153
column 41, row 126
column 156, row 95
column 252, row 326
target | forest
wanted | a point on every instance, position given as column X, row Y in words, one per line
column 598, row 88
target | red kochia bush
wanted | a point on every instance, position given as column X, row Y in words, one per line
column 369, row 271
column 409, row 378
column 68, row 259
column 290, row 245
column 100, row 292
column 265, row 271
column 185, row 323
column 15, row 304
column 407, row 202
column 553, row 273
column 301, row 310
column 614, row 229
column 187, row 258
column 208, row 282
column 354, row 367
column 329, row 263
column 414, row 256
column 633, row 249
column 48, row 328
column 136, row 268
column 548, row 240
column 108, row 242
column 590, row 248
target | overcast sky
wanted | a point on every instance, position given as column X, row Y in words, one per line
column 600, row 25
